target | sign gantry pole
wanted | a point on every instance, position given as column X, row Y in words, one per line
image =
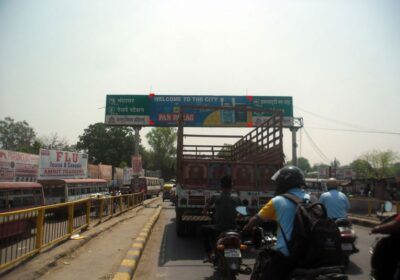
column 297, row 124
column 137, row 140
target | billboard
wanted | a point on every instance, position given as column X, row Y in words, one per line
column 137, row 165
column 16, row 166
column 62, row 165
column 163, row 110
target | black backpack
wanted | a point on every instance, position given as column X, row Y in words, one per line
column 315, row 238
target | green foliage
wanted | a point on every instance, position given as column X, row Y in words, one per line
column 375, row 164
column 108, row 145
column 225, row 152
column 317, row 166
column 381, row 162
column 163, row 150
column 17, row 136
column 362, row 168
column 302, row 163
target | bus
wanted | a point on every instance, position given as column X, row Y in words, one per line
column 148, row 185
column 17, row 196
column 20, row 195
column 64, row 190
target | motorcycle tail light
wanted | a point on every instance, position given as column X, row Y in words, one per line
column 243, row 247
column 220, row 247
column 231, row 241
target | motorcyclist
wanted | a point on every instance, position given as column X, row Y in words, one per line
column 385, row 261
column 335, row 202
column 225, row 216
column 289, row 179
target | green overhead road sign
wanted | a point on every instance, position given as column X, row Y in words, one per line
column 127, row 110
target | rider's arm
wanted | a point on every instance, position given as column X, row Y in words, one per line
column 266, row 213
column 388, row 228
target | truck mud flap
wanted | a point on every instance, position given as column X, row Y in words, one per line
column 193, row 218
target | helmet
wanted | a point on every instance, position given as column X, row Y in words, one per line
column 287, row 178
column 332, row 183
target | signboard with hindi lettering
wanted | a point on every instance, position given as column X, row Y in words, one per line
column 163, row 110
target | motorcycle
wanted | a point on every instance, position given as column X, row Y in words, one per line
column 385, row 256
column 264, row 239
column 348, row 238
column 228, row 255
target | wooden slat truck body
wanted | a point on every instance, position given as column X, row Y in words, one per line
column 251, row 162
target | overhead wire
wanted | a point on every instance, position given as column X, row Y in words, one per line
column 354, row 130
column 315, row 147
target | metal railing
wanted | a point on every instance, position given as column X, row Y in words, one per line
column 24, row 233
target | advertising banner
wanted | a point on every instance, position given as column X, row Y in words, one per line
column 62, row 165
column 93, row 171
column 105, row 172
column 137, row 165
column 163, row 110
column 128, row 174
column 16, row 166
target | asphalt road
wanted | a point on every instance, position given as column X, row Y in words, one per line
column 168, row 257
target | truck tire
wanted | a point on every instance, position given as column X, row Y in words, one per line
column 180, row 225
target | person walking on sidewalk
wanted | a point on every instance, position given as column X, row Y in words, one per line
column 336, row 203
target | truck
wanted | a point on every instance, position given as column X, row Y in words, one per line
column 250, row 161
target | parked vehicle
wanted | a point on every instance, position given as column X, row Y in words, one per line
column 251, row 162
column 348, row 238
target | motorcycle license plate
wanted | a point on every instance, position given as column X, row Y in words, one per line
column 232, row 253
column 347, row 247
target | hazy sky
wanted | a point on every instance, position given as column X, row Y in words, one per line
column 340, row 60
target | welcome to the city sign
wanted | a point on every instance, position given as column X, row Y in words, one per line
column 163, row 110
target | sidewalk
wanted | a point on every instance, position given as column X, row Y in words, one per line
column 96, row 256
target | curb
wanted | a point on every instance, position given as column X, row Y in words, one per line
column 364, row 222
column 129, row 264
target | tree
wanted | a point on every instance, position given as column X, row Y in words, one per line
column 302, row 163
column 362, row 168
column 17, row 136
column 163, row 150
column 54, row 142
column 108, row 145
column 381, row 162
